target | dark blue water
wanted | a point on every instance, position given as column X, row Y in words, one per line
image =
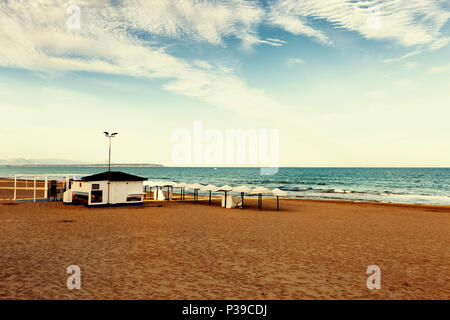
column 397, row 185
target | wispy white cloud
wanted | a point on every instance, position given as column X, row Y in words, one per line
column 410, row 23
column 124, row 38
column 34, row 36
column 403, row 57
column 208, row 21
column 277, row 40
column 293, row 61
column 295, row 24
column 439, row 69
column 273, row 42
column 203, row 64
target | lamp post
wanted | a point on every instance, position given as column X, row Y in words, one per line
column 109, row 136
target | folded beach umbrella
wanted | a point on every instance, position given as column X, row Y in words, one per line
column 242, row 190
column 210, row 188
column 278, row 193
column 168, row 185
column 260, row 191
column 226, row 188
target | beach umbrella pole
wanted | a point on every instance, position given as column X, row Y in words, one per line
column 278, row 206
column 242, row 198
column 209, row 197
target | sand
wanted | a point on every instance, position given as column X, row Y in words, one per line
column 308, row 250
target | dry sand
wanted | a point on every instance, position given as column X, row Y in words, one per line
column 308, row 250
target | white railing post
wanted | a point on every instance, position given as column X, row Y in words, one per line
column 45, row 188
column 15, row 186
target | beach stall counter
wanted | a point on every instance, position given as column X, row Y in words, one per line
column 103, row 189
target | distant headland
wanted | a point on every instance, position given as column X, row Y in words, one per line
column 21, row 162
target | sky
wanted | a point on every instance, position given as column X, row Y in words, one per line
column 344, row 83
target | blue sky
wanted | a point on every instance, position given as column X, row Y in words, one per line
column 346, row 83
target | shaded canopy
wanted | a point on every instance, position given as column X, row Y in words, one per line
column 167, row 184
column 155, row 183
column 180, row 185
column 224, row 188
column 209, row 187
column 195, row 186
column 242, row 189
column 260, row 190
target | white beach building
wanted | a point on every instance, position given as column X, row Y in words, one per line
column 93, row 191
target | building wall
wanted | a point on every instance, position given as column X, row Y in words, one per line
column 119, row 190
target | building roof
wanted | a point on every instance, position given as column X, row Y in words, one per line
column 115, row 176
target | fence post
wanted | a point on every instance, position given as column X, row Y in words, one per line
column 34, row 189
column 15, row 186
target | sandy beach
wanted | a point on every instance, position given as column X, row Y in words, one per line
column 308, row 250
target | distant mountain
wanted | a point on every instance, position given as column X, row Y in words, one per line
column 30, row 162
column 63, row 162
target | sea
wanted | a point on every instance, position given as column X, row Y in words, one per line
column 387, row 185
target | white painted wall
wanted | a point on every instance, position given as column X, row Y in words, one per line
column 119, row 190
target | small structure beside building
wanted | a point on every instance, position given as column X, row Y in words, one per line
column 92, row 191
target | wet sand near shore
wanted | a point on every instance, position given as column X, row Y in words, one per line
column 308, row 250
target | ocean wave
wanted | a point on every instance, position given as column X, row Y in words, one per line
column 334, row 191
column 294, row 188
column 391, row 197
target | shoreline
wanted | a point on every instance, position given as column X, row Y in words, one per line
column 40, row 188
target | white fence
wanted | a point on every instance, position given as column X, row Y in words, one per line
column 63, row 176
